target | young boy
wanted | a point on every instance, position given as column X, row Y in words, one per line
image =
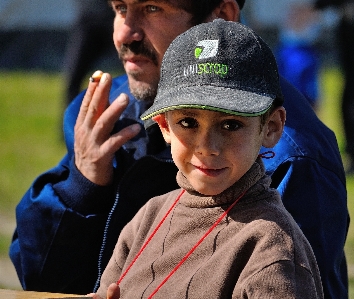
column 225, row 233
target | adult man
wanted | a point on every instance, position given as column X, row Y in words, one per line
column 73, row 214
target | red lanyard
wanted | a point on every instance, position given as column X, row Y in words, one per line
column 190, row 251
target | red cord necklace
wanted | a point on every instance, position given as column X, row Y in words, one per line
column 190, row 251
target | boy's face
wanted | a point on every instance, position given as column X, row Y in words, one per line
column 212, row 149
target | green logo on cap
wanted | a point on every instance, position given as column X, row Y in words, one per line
column 203, row 50
column 206, row 48
column 197, row 52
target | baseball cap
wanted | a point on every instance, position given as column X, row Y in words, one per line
column 220, row 66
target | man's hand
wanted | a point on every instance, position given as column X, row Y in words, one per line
column 94, row 145
column 113, row 292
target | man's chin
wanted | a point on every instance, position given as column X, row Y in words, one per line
column 143, row 91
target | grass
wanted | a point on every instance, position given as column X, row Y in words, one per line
column 31, row 142
column 30, row 138
column 329, row 113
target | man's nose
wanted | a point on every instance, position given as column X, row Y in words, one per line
column 128, row 31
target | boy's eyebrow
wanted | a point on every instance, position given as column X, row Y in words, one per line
column 194, row 113
column 189, row 112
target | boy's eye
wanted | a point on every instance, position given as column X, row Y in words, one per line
column 231, row 125
column 188, row 122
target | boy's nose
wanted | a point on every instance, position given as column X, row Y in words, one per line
column 208, row 143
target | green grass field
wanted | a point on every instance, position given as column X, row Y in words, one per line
column 31, row 142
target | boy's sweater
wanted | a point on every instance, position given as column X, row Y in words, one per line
column 256, row 251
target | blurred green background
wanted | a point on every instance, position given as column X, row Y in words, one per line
column 31, row 105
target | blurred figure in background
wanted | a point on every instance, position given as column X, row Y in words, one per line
column 345, row 39
column 90, row 39
column 296, row 52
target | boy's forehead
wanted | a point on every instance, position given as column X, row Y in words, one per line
column 192, row 112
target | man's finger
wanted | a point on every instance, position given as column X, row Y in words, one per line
column 109, row 117
column 99, row 101
column 117, row 140
column 87, row 98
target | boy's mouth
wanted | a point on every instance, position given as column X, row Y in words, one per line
column 210, row 172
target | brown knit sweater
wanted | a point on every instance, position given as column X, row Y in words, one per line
column 256, row 251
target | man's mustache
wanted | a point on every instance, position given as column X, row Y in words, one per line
column 138, row 48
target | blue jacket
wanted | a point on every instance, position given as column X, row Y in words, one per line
column 67, row 226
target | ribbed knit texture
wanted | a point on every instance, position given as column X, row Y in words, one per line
column 257, row 251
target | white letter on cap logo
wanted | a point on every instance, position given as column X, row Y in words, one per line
column 210, row 48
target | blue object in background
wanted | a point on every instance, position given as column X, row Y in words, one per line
column 299, row 64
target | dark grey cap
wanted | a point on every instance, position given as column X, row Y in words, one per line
column 220, row 66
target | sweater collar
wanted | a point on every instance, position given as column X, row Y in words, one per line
column 247, row 182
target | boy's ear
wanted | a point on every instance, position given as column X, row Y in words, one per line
column 274, row 127
column 163, row 124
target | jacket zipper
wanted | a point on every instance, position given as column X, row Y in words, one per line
column 109, row 218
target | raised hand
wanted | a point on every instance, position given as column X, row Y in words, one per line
column 94, row 145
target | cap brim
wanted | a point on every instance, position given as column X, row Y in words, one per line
column 214, row 98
